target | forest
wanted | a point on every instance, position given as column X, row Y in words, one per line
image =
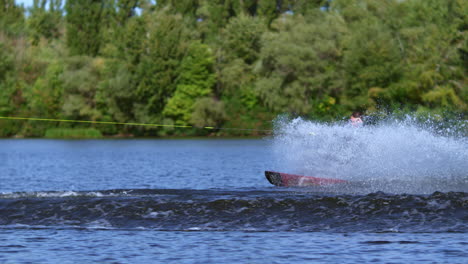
column 225, row 63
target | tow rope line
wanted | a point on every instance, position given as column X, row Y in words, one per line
column 128, row 124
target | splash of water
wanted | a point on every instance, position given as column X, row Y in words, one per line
column 398, row 156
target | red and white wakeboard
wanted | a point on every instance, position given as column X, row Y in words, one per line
column 294, row 180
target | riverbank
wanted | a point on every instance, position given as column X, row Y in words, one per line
column 131, row 136
column 94, row 133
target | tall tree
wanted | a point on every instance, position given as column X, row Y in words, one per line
column 80, row 80
column 43, row 21
column 165, row 44
column 124, row 34
column 6, row 70
column 371, row 60
column 11, row 17
column 213, row 15
column 269, row 10
column 304, row 7
column 84, row 19
column 240, row 45
column 45, row 96
column 187, row 8
column 195, row 81
column 300, row 64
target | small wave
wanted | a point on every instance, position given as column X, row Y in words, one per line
column 50, row 194
column 136, row 192
column 237, row 211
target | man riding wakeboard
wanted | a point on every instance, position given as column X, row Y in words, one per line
column 356, row 120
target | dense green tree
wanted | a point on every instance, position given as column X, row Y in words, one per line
column 443, row 72
column 11, row 98
column 196, row 80
column 268, row 9
column 213, row 15
column 239, row 50
column 11, row 17
column 300, row 63
column 237, row 55
column 231, row 63
column 125, row 36
column 43, row 21
column 6, row 87
column 80, row 85
column 187, row 8
column 84, row 19
column 305, row 7
column 132, row 41
column 241, row 38
column 208, row 111
column 371, row 59
column 117, row 17
column 115, row 93
column 45, row 95
column 126, row 9
column 430, row 39
column 164, row 46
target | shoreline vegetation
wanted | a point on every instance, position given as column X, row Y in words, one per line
column 448, row 124
column 226, row 63
column 91, row 133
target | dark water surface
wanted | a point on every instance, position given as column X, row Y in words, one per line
column 204, row 201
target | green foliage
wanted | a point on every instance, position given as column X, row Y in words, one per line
column 44, row 22
column 214, row 15
column 11, row 18
column 196, row 80
column 45, row 96
column 305, row 7
column 6, row 62
column 73, row 133
column 80, row 82
column 239, row 49
column 84, row 19
column 208, row 112
column 115, row 92
column 271, row 10
column 164, row 49
column 227, row 63
column 241, row 38
column 218, row 12
column 371, row 58
column 126, row 43
column 300, row 63
column 123, row 36
column 268, row 10
column 8, row 86
column 444, row 97
column 126, row 9
column 239, row 116
column 183, row 7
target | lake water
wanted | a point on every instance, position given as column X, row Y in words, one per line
column 207, row 201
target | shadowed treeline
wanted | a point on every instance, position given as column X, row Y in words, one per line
column 226, row 63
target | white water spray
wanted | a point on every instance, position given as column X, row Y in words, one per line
column 393, row 156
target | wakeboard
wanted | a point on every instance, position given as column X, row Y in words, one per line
column 294, row 180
